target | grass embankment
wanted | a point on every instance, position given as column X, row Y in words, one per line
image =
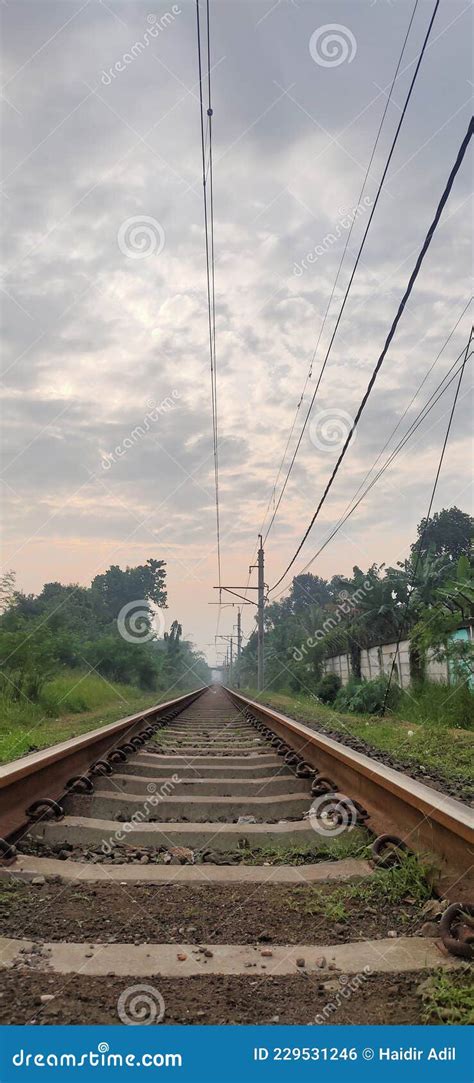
column 430, row 741
column 67, row 706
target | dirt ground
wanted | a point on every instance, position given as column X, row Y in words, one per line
column 184, row 913
column 216, row 1000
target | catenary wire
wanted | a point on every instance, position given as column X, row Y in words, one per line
column 334, row 287
column 414, row 275
column 347, row 513
column 356, row 263
column 326, row 313
column 418, row 420
column 207, row 176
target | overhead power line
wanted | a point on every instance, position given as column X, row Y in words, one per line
column 323, row 324
column 208, row 198
column 418, row 420
column 334, row 286
column 349, row 509
column 412, row 400
column 390, row 336
column 362, row 244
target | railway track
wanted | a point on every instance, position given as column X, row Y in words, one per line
column 211, row 858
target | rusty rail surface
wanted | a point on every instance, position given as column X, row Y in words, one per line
column 44, row 774
column 428, row 821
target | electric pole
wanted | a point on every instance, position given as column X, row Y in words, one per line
column 229, row 658
column 260, row 604
column 239, row 644
column 260, row 617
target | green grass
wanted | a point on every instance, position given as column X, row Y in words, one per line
column 435, row 745
column 448, row 997
column 68, row 706
column 392, row 886
column 8, row 896
column 438, row 704
column 352, row 844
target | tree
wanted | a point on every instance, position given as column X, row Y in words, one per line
column 7, row 590
column 452, row 605
column 308, row 589
column 447, row 533
column 183, row 665
column 28, row 656
column 115, row 588
column 173, row 637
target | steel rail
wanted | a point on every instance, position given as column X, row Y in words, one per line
column 429, row 822
column 44, row 774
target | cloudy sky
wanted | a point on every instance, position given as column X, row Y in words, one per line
column 104, row 289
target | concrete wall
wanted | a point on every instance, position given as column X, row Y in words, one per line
column 389, row 654
column 370, row 663
column 341, row 665
column 436, row 671
column 378, row 660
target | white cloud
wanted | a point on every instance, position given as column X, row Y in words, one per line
column 92, row 336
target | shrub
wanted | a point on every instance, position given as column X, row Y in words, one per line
column 22, row 685
column 329, row 687
column 367, row 697
column 346, row 694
